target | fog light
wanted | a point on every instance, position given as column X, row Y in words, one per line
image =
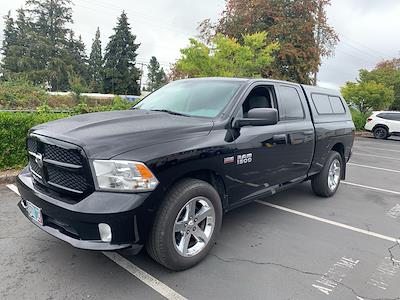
column 105, row 232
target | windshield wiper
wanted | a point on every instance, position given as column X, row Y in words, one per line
column 170, row 112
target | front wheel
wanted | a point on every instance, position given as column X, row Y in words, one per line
column 186, row 225
column 381, row 133
column 326, row 183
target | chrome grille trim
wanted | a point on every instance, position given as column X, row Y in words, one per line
column 65, row 188
column 61, row 164
column 34, row 173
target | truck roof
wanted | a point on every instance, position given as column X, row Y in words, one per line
column 309, row 89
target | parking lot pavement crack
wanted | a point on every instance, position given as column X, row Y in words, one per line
column 309, row 273
column 229, row 260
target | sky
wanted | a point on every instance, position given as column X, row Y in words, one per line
column 368, row 29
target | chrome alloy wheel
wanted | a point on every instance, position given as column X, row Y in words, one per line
column 334, row 174
column 194, row 226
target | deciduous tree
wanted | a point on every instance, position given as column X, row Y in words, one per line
column 368, row 95
column 300, row 27
column 227, row 57
column 388, row 74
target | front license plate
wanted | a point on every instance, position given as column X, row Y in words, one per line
column 34, row 212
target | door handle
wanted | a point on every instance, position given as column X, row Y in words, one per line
column 279, row 139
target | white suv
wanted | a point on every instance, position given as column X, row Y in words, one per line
column 384, row 124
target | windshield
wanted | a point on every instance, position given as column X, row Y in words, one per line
column 202, row 98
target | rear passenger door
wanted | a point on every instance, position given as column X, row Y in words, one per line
column 294, row 113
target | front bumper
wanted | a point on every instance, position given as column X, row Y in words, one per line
column 77, row 223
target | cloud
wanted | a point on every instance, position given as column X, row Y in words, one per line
column 367, row 31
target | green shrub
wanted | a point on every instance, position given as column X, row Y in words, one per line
column 77, row 87
column 359, row 119
column 13, row 131
column 81, row 108
column 21, row 94
column 59, row 101
column 120, row 104
column 14, row 127
column 44, row 108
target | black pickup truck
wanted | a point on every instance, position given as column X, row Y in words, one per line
column 163, row 173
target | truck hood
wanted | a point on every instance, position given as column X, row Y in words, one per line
column 107, row 134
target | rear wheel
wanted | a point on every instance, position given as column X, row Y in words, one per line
column 326, row 183
column 381, row 133
column 186, row 225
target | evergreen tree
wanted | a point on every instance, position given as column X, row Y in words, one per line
column 96, row 65
column 161, row 78
column 42, row 50
column 78, row 61
column 9, row 40
column 17, row 37
column 29, row 52
column 121, row 75
column 156, row 75
column 50, row 18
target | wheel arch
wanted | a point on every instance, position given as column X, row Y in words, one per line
column 210, row 176
column 339, row 147
column 381, row 125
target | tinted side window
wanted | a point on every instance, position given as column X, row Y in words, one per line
column 322, row 104
column 292, row 108
column 397, row 117
column 383, row 116
column 337, row 105
column 392, row 116
column 259, row 97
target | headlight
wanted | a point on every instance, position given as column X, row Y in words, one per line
column 124, row 175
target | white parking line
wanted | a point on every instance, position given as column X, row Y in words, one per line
column 378, row 156
column 143, row 276
column 371, row 188
column 359, row 230
column 140, row 274
column 374, row 148
column 375, row 168
column 14, row 188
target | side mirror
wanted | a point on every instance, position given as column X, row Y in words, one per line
column 258, row 117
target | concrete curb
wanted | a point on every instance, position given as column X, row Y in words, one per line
column 8, row 178
column 363, row 134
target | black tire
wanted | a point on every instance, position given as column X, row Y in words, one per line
column 320, row 182
column 381, row 133
column 161, row 244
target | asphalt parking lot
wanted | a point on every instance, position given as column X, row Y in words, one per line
column 293, row 245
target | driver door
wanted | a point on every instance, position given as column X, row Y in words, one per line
column 260, row 151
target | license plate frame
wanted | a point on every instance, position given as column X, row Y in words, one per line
column 34, row 212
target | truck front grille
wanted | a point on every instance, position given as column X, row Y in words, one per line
column 63, row 155
column 59, row 167
column 73, row 181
